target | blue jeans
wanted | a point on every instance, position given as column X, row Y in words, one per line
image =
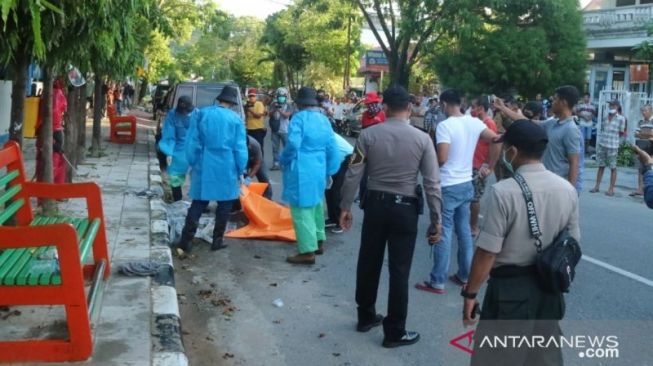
column 456, row 200
column 278, row 139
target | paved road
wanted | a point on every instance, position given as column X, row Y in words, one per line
column 235, row 323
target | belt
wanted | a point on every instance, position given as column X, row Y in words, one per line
column 513, row 271
column 391, row 197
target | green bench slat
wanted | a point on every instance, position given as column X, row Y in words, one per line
column 22, row 260
column 16, row 264
column 11, row 210
column 8, row 177
column 10, row 193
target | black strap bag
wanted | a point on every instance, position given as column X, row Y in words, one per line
column 555, row 265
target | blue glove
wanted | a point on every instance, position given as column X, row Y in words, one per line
column 248, row 181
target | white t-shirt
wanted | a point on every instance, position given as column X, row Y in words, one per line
column 461, row 133
column 339, row 111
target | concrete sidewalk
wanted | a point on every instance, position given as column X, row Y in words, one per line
column 139, row 319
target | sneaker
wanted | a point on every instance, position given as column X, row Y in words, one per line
column 337, row 230
column 329, row 224
column 426, row 286
column 408, row 339
column 275, row 167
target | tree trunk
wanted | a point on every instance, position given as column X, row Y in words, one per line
column 70, row 131
column 143, row 91
column 18, row 94
column 49, row 206
column 81, row 127
column 98, row 104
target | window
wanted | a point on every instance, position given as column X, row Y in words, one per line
column 646, row 2
column 625, row 2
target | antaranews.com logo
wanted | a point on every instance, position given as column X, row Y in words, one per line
column 588, row 347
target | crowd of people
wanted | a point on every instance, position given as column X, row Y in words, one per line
column 459, row 145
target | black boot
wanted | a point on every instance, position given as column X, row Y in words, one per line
column 187, row 235
column 218, row 235
column 176, row 194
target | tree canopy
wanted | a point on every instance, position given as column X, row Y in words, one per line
column 496, row 46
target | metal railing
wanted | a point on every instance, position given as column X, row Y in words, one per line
column 618, row 19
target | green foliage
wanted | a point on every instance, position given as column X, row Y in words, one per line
column 307, row 43
column 496, row 46
column 626, row 155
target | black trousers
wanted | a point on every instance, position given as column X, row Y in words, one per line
column 514, row 305
column 394, row 224
column 259, row 136
column 333, row 195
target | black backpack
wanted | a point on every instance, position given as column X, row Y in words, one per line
column 556, row 265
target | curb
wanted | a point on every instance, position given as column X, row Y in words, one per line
column 167, row 346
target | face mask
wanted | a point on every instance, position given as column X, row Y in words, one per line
column 507, row 164
column 281, row 100
column 612, row 111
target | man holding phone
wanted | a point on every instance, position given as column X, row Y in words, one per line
column 647, row 173
column 644, row 140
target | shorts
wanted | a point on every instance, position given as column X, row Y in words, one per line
column 586, row 131
column 479, row 186
column 607, row 157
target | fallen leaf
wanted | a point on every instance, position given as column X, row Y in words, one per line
column 257, row 257
column 322, row 335
column 276, row 321
column 228, row 355
column 273, row 284
column 210, row 339
column 213, row 285
column 336, row 354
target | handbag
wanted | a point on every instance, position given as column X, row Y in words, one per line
column 555, row 265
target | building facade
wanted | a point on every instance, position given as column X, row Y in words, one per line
column 614, row 28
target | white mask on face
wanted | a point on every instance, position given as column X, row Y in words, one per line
column 612, row 111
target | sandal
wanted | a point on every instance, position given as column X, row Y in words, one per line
column 609, row 194
column 635, row 194
column 594, row 190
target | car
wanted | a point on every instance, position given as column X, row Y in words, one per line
column 202, row 95
column 354, row 120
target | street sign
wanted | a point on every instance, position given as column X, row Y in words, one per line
column 376, row 61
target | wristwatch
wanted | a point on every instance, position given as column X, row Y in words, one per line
column 468, row 295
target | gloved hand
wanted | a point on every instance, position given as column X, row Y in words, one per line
column 168, row 160
column 329, row 183
column 247, row 181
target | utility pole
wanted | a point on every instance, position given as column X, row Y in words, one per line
column 345, row 82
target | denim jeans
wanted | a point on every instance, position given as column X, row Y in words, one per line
column 278, row 138
column 456, row 200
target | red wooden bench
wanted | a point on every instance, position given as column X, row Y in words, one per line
column 22, row 246
column 123, row 128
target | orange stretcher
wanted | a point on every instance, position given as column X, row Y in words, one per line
column 267, row 219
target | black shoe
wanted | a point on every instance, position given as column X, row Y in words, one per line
column 408, row 339
column 218, row 244
column 366, row 327
column 186, row 245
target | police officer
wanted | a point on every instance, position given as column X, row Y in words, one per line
column 514, row 304
column 393, row 154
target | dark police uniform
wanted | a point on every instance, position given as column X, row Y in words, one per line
column 393, row 153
